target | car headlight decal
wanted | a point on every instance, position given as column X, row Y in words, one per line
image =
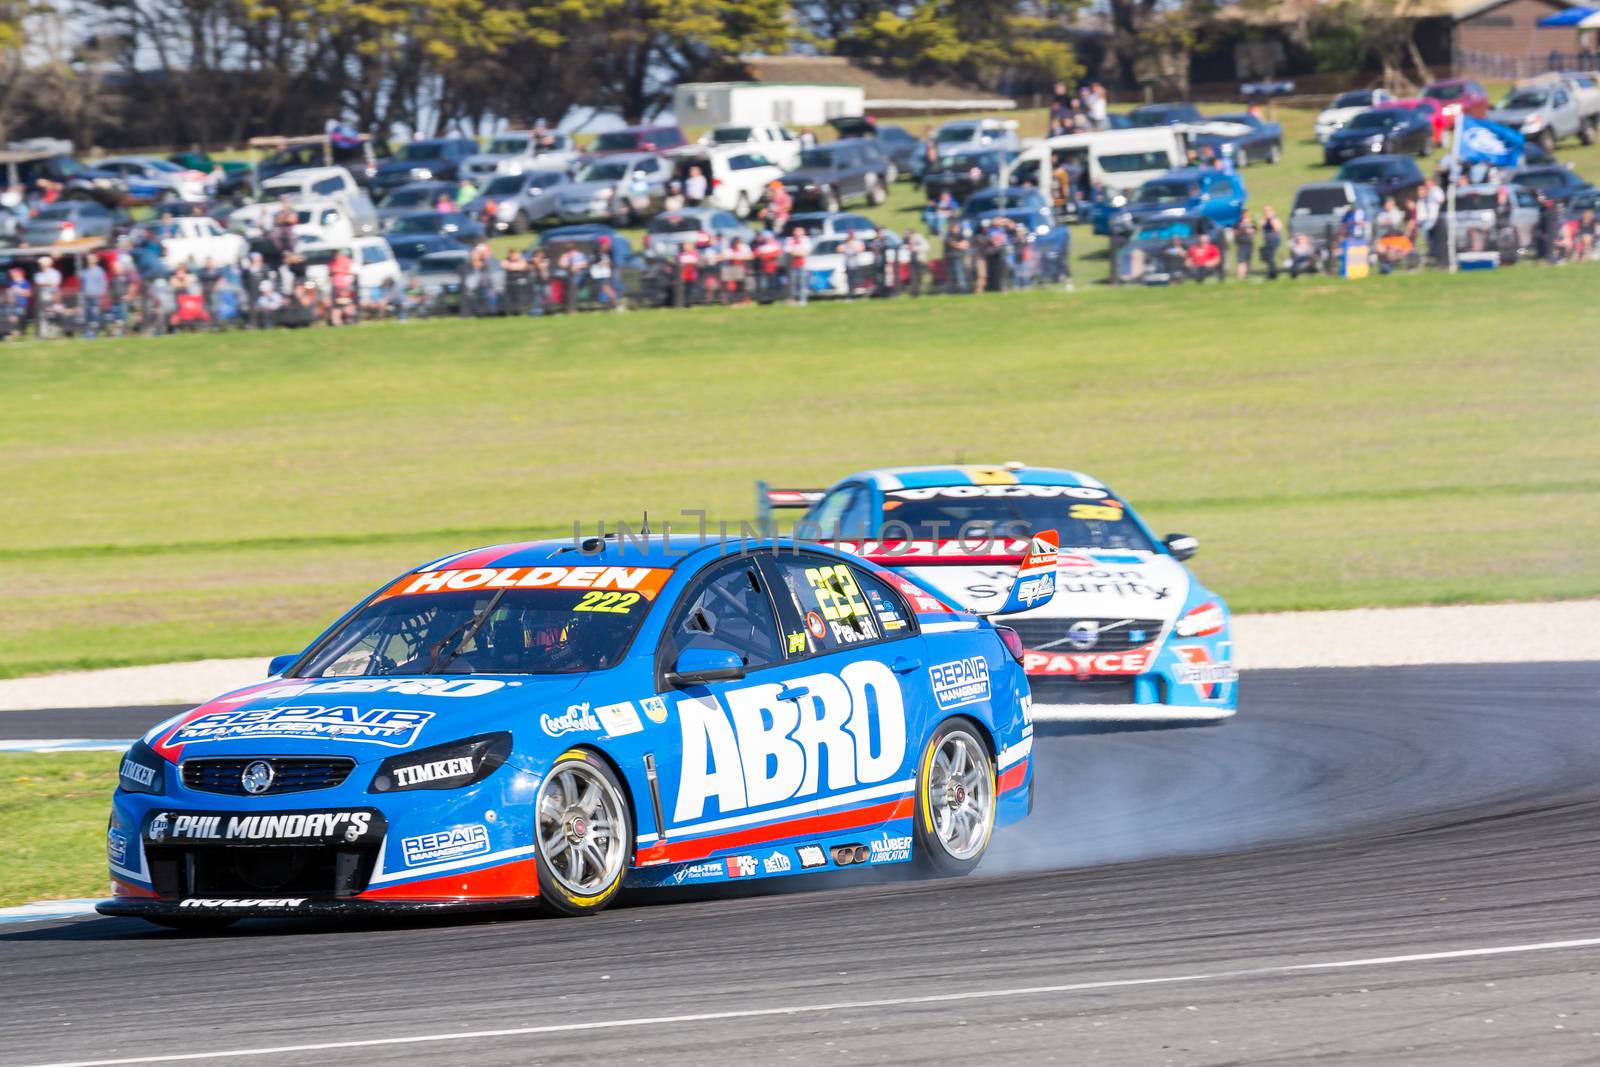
column 142, row 771
column 1201, row 621
column 448, row 766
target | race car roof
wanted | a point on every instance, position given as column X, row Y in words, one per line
column 635, row 550
column 976, row 474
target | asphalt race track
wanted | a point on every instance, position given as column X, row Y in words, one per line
column 1379, row 866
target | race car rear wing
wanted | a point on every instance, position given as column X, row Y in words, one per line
column 770, row 499
column 1035, row 583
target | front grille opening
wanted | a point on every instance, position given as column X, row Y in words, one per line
column 316, row 871
column 290, row 774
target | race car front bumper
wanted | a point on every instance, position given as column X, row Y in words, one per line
column 294, row 907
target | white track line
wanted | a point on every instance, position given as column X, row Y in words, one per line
column 850, row 1005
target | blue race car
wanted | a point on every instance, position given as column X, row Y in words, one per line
column 1130, row 635
column 550, row 722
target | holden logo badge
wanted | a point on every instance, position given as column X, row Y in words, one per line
column 257, row 777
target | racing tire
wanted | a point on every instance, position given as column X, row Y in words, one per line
column 955, row 800
column 876, row 194
column 583, row 834
column 742, row 207
column 520, row 224
column 193, row 925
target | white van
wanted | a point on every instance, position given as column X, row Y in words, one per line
column 308, row 183
column 1119, row 160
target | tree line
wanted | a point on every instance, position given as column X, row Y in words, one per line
column 218, row 71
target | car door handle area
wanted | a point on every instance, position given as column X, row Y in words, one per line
column 904, row 664
column 792, row 692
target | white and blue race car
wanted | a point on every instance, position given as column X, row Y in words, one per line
column 1131, row 633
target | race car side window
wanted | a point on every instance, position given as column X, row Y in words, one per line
column 727, row 608
column 826, row 605
column 842, row 514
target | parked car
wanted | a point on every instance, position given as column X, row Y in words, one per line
column 456, row 224
column 638, row 139
column 1428, row 109
column 965, row 136
column 67, row 220
column 1239, row 136
column 415, row 196
column 1345, row 107
column 630, row 282
column 827, row 223
column 443, row 278
column 1396, row 176
column 965, row 173
column 1584, row 85
column 410, row 248
column 1164, row 115
column 671, row 230
column 196, row 240
column 1218, row 196
column 233, row 176
column 1478, row 217
column 737, row 175
column 150, row 179
column 375, row 263
column 435, row 159
column 360, row 158
column 1380, row 131
column 834, row 173
column 1319, row 208
column 317, row 218
column 777, row 143
column 621, row 189
column 299, row 186
column 828, row 266
column 1546, row 113
column 516, row 151
column 522, row 200
column 1457, row 95
column 1552, row 181
column 899, row 145
column 1021, row 204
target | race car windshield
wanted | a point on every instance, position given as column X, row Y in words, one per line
column 1082, row 522
column 483, row 631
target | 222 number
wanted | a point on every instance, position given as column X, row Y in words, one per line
column 619, row 603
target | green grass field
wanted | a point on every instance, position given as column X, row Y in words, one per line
column 1399, row 440
column 53, row 810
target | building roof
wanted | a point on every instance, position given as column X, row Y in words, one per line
column 884, row 91
column 1287, row 10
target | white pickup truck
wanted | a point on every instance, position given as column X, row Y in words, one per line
column 194, row 241
column 776, row 143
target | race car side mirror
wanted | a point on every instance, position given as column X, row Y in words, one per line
column 698, row 666
column 279, row 664
column 1182, row 546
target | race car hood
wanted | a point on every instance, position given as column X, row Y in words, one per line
column 366, row 718
column 1089, row 584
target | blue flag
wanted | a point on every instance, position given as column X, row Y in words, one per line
column 1489, row 142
